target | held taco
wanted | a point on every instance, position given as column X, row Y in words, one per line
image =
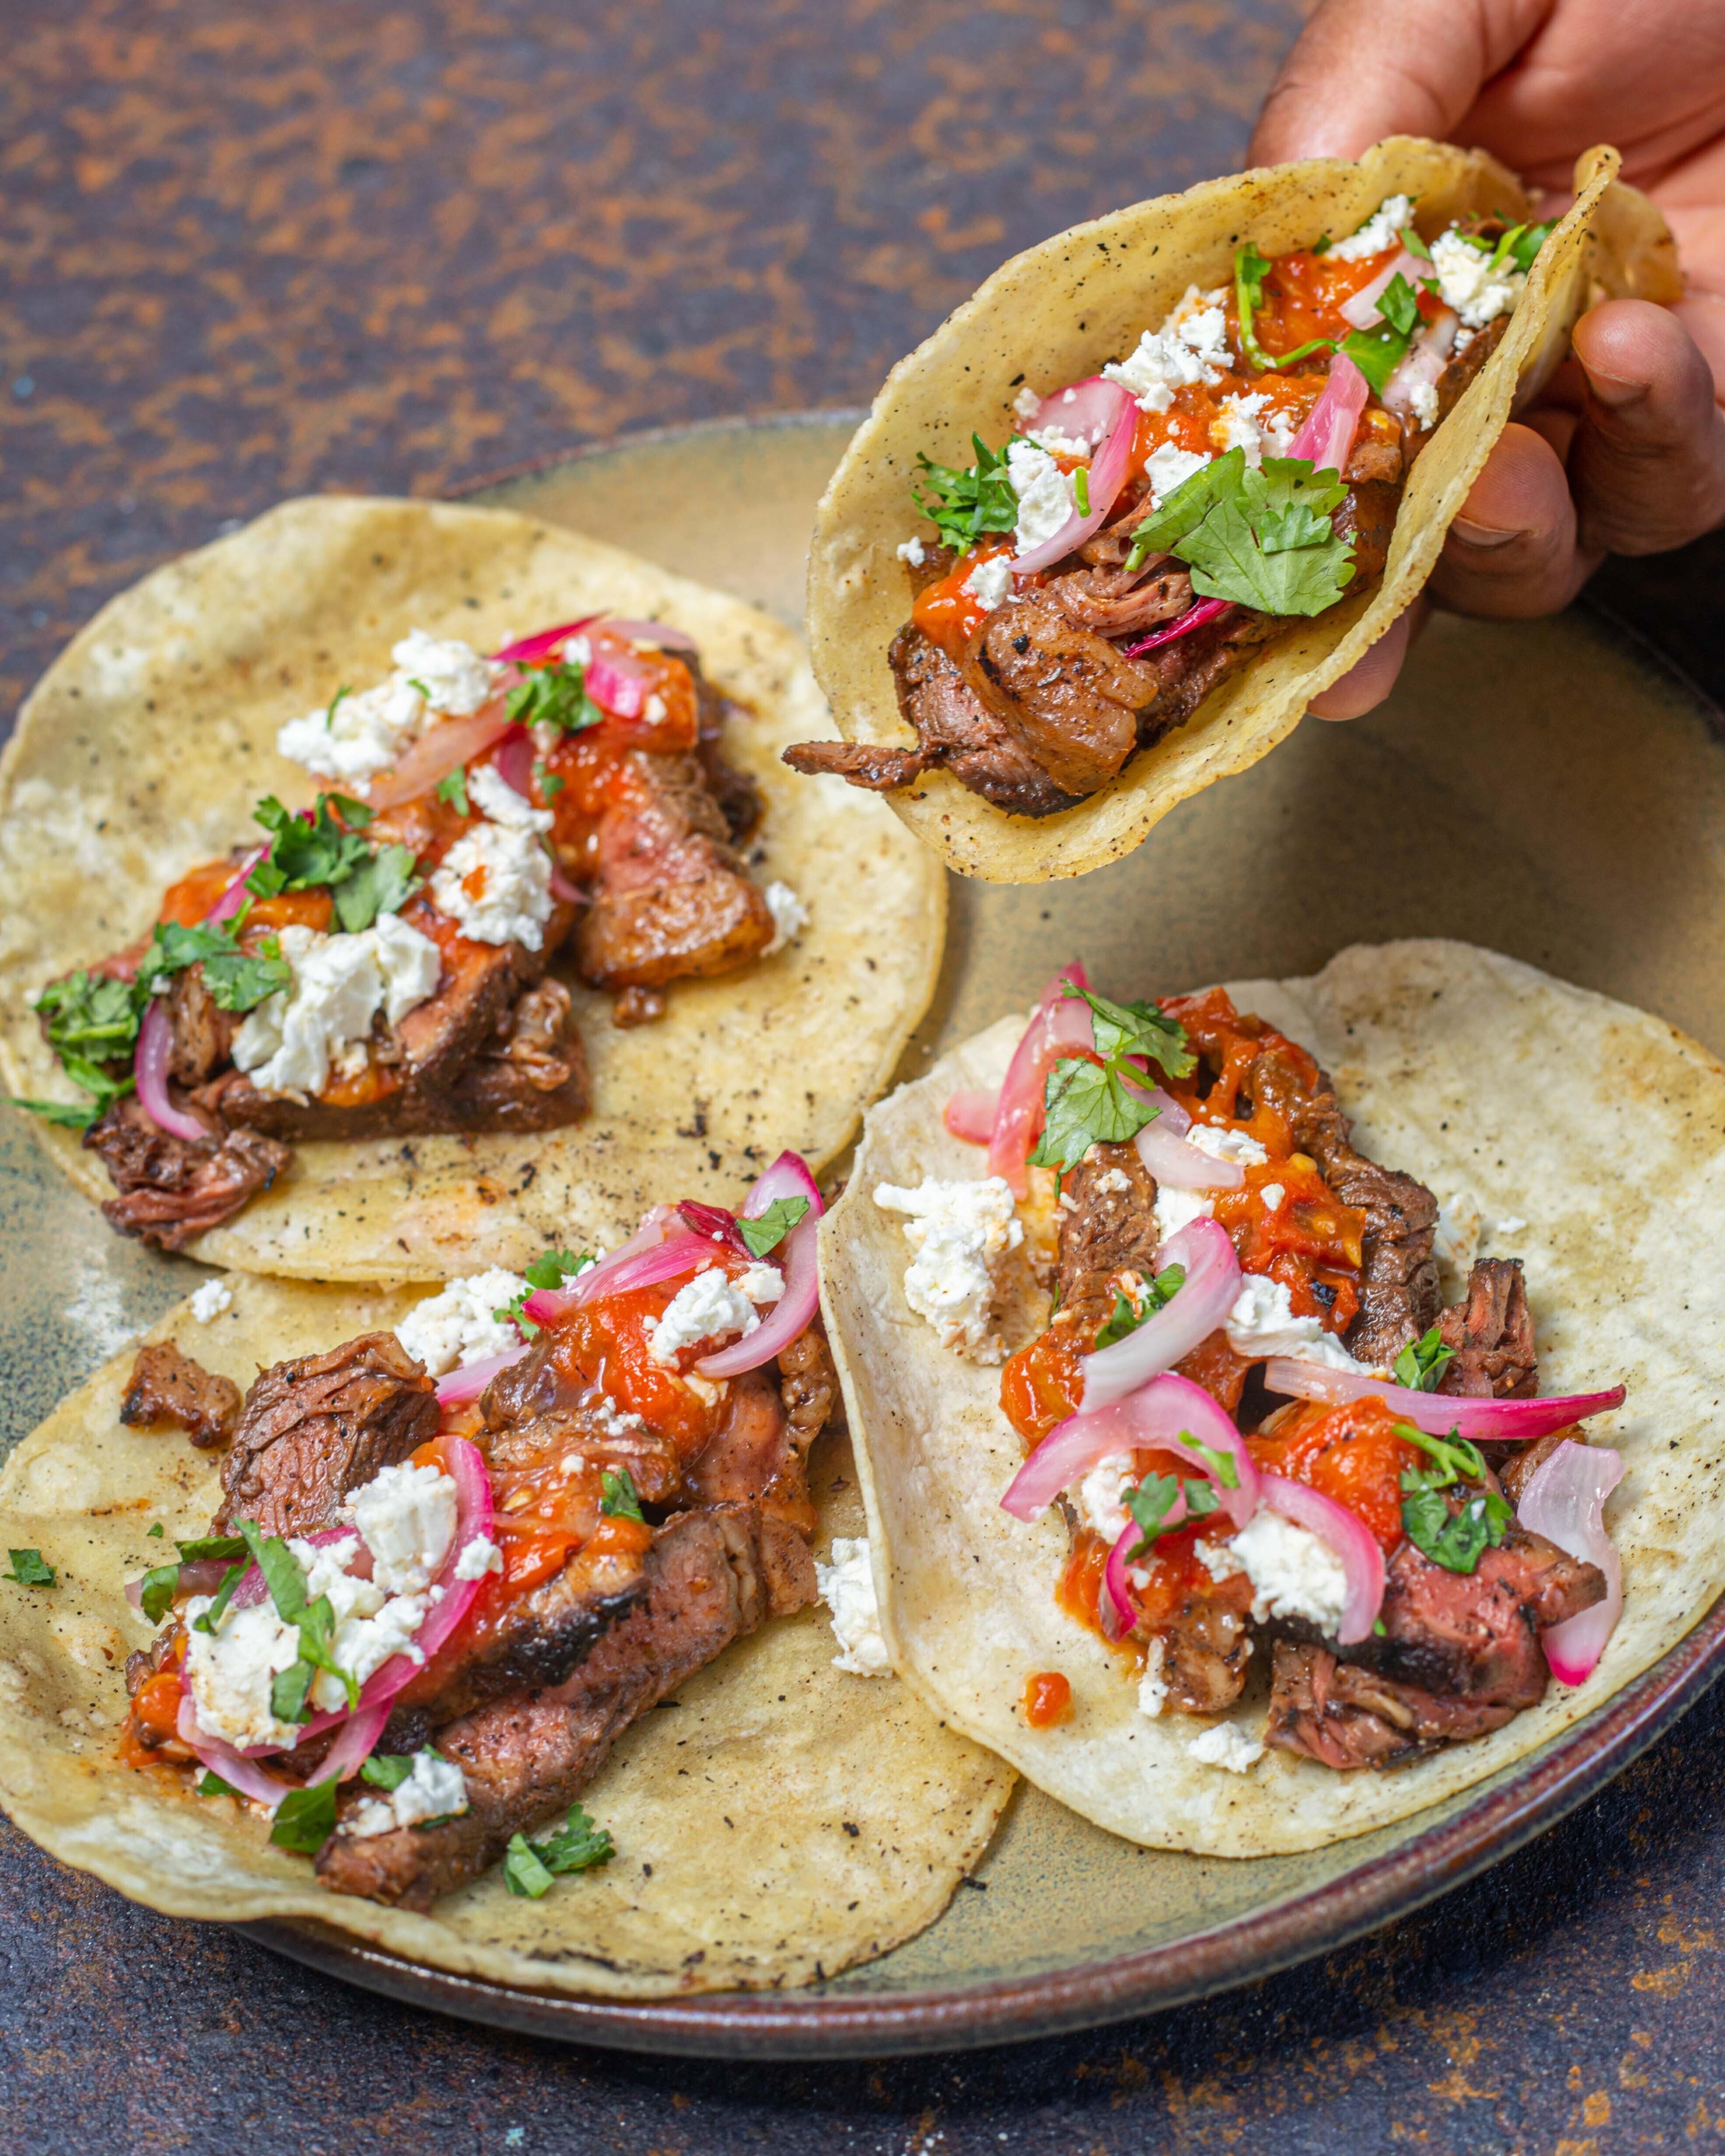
column 1289, row 1513
column 543, row 929
column 406, row 1639
column 1168, row 474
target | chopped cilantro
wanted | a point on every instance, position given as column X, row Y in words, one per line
column 1455, row 1458
column 156, row 1591
column 1158, row 1292
column 211, row 1784
column 387, row 1770
column 156, row 1530
column 1145, row 1029
column 546, row 780
column 284, row 1574
column 213, row 1546
column 1457, row 1541
column 237, row 980
column 1222, row 1465
column 1526, row 241
column 964, row 504
column 207, row 1621
column 764, row 1231
column 1414, row 244
column 1251, row 269
column 453, row 788
column 1155, row 1497
column 551, row 1268
column 288, row 1690
column 1086, row 1103
column 618, row 1499
column 523, row 1874
column 553, row 695
column 1378, row 351
column 307, row 851
column 68, row 1116
column 577, row 1845
column 1323, row 243
column 382, row 883
column 305, row 1817
column 30, row 1568
column 1422, row 1363
column 92, row 1020
column 1264, row 539
column 328, row 717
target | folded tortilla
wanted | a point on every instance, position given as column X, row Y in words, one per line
column 1056, row 313
column 782, row 1820
column 146, row 746
column 1585, row 1133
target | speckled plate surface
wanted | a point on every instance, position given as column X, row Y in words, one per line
column 1546, row 789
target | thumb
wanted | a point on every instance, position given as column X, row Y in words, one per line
column 1647, row 462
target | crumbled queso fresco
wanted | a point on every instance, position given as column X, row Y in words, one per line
column 459, row 1323
column 211, row 1299
column 293, row 1039
column 1224, row 1745
column 494, row 882
column 434, row 1788
column 1293, row 1572
column 847, row 1587
column 990, row 582
column 790, row 916
column 712, row 1306
column 355, row 737
column 1262, row 1323
column 959, row 1233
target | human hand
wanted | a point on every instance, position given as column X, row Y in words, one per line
column 1626, row 451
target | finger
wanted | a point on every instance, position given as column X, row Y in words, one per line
column 1512, row 551
column 1361, row 71
column 1365, row 685
column 1647, row 464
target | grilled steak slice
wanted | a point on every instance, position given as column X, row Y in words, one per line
column 1454, row 379
column 1491, row 1333
column 1206, row 1646
column 738, row 796
column 316, row 1428
column 1345, row 1716
column 1193, row 665
column 1399, row 1292
column 170, row 1190
column 756, row 1455
column 809, row 1384
column 1066, row 694
column 710, row 1577
column 668, row 897
column 1108, row 1226
column 1517, row 1465
column 167, row 1387
column 871, row 765
column 1113, row 603
column 202, row 1033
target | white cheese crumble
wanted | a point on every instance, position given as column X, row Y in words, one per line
column 1191, row 347
column 1099, row 1493
column 958, row 1233
column 712, row 1306
column 1044, row 493
column 211, row 1299
column 1113, row 1179
column 1381, row 231
column 1168, row 468
column 354, row 738
column 1175, row 1209
column 1469, row 284
column 491, row 793
column 372, row 1626
column 1262, row 1323
column 434, row 1789
column 1293, row 1571
column 1270, row 1195
column 990, row 582
column 289, row 1043
column 455, row 678
column 1238, row 1146
column 790, row 916
column 495, row 883
column 1512, row 1224
column 459, row 1323
column 480, row 1555
column 231, row 1672
column 1223, row 1745
column 1242, row 427
column 847, row 1587
column 1152, row 1685
column 1423, row 403
column 1027, row 404
column 406, row 1515
column 913, row 552
column 1059, row 445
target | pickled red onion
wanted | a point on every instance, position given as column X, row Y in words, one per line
column 1351, row 1539
column 1565, row 1502
column 1162, row 1148
column 354, row 1746
column 514, row 760
column 1060, row 1025
column 1104, row 413
column 970, row 1115
column 437, row 751
column 234, row 1767
column 1194, row 617
column 1438, row 1414
column 155, row 1051
column 1199, row 1308
column 1166, row 1415
column 1423, row 362
column 533, row 650
column 236, row 894
column 713, row 1222
column 649, row 631
column 788, row 1176
column 466, row 1384
column 1327, row 436
column 616, row 683
column 1360, row 311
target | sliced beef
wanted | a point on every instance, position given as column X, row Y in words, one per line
column 1188, row 668
column 1066, row 694
column 1108, row 1226
column 201, row 1033
column 1453, row 382
column 1113, row 603
column 1490, row 1331
column 1365, row 519
column 734, row 792
column 873, row 765
column 1345, row 1716
column 668, row 899
column 314, row 1428
column 711, row 1577
column 168, row 1387
column 1206, row 1646
column 758, row 1454
column 809, row 1384
column 1517, row 1465
column 170, row 1189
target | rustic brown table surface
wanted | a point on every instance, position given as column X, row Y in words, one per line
column 249, row 251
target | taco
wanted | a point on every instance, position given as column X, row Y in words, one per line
column 490, row 950
column 1173, row 473
column 414, row 1597
column 1301, row 1500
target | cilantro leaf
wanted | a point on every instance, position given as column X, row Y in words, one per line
column 764, row 1231
column 1456, row 1541
column 68, row 1116
column 1123, row 1029
column 1222, row 1465
column 284, row 1574
column 1398, row 305
column 618, row 1499
column 553, row 695
column 387, row 1770
column 1414, row 244
column 962, row 505
column 213, row 1546
column 30, row 1568
column 305, row 852
column 1455, row 1458
column 1263, row 539
column 237, row 980
column 156, row 1591
column 523, row 1874
column 211, row 1784
column 577, row 1845
column 1526, row 241
column 288, row 1690
column 317, row 1650
column 551, row 1268
column 157, row 1530
column 381, row 883
column 546, row 780
column 92, row 1019
column 1086, row 1104
column 1155, row 1497
column 305, row 1818
column 207, row 1621
column 453, row 788
column 1158, row 1292
column 1422, row 1363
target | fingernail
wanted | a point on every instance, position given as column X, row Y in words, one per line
column 1470, row 534
column 1612, row 390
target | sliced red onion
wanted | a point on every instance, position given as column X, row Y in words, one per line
column 155, row 1049
column 1195, row 617
column 546, row 1305
column 1115, row 1579
column 1437, row 1414
column 437, row 751
column 1423, row 362
column 1348, row 1536
column 1060, row 1025
column 1565, row 1502
column 465, row 1465
column 514, row 760
column 1102, row 412
column 615, row 681
column 533, row 650
column 464, row 1385
column 236, row 895
column 1203, row 1303
column 354, row 1746
column 970, row 1115
column 1327, row 436
column 1162, row 1148
column 651, row 631
column 235, row 1769
column 1361, row 311
column 788, row 1176
column 1165, row 1415
column 714, row 1224
column 628, row 1268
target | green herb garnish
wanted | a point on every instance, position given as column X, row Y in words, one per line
column 387, row 1770
column 965, row 504
column 1251, row 269
column 305, row 1818
column 453, row 788
column 765, row 1231
column 1422, row 1363
column 1262, row 538
column 30, row 1568
column 618, row 1499
column 68, row 1116
column 546, row 780
column 1155, row 1497
column 211, row 1784
column 156, row 1590
column 237, row 980
column 553, row 695
column 577, row 1845
column 1086, row 1103
column 1158, row 1291
column 1457, row 1541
